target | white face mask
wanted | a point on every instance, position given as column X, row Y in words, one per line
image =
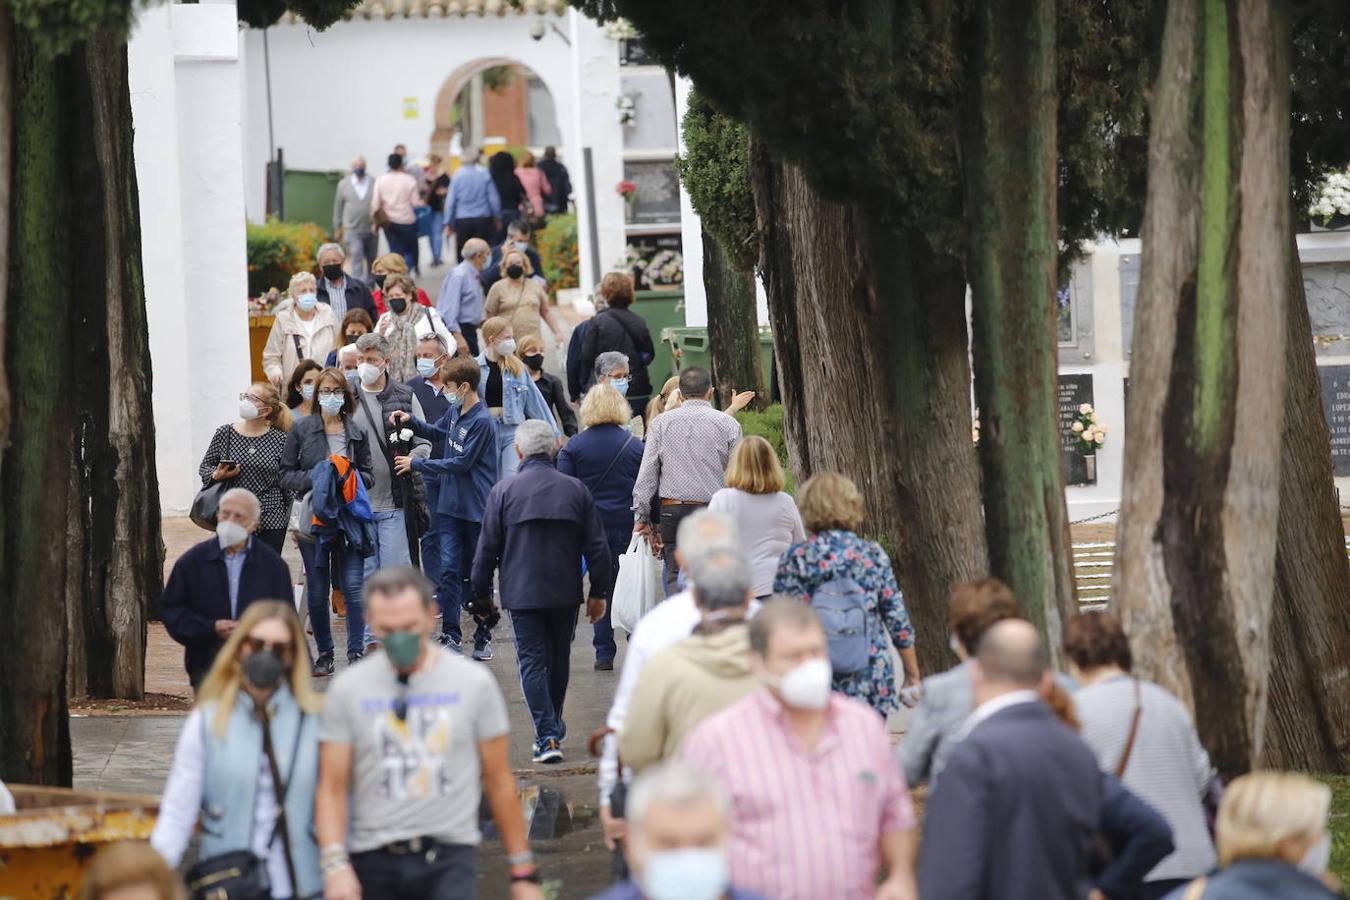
column 694, row 873
column 955, row 644
column 368, row 373
column 230, row 534
column 806, row 685
column 248, row 411
column 506, row 347
column 1318, row 858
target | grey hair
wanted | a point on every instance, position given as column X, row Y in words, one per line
column 609, row 362
column 703, row 532
column 535, row 437
column 300, row 278
column 433, row 336
column 721, row 579
column 372, row 341
column 244, row 494
column 469, row 155
column 324, row 248
column 475, row 247
column 1011, row 652
column 672, row 783
column 347, row 350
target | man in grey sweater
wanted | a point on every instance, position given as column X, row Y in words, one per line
column 351, row 219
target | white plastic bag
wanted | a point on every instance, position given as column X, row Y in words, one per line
column 638, row 586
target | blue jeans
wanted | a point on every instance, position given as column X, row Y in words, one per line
column 391, row 541
column 319, row 578
column 544, row 655
column 507, row 462
column 433, row 542
column 437, row 236
column 403, row 241
column 447, row 872
column 461, row 540
column 602, row 632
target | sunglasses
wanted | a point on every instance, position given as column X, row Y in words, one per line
column 284, row 649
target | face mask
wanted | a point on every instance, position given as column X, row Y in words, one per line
column 402, row 648
column 522, row 245
column 514, row 271
column 350, row 338
column 1317, row 859
column 307, row 301
column 806, row 686
column 307, row 391
column 534, row 361
column 248, row 411
column 694, row 873
column 230, row 534
column 359, row 171
column 379, row 279
column 398, row 304
column 455, row 399
column 368, row 373
column 333, row 272
column 264, row 669
column 331, row 405
column 620, row 385
column 507, row 347
column 426, row 367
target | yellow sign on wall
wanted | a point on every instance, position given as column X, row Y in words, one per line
column 409, row 107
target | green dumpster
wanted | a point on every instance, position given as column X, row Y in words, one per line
column 661, row 310
column 309, row 196
column 689, row 346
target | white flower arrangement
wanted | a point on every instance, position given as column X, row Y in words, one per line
column 620, row 30
column 406, row 434
column 1091, row 434
column 1332, row 198
column 627, row 108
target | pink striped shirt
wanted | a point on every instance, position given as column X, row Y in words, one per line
column 806, row 824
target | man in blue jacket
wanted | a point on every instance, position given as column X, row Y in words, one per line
column 467, row 469
column 213, row 581
column 536, row 528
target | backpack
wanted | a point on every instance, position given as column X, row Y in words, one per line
column 841, row 605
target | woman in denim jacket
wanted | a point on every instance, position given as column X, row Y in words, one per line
column 508, row 391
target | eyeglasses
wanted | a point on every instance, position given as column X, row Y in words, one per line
column 252, row 399
column 284, row 649
column 331, row 392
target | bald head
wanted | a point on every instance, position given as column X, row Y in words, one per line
column 1011, row 656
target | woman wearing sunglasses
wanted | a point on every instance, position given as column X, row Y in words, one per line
column 246, row 766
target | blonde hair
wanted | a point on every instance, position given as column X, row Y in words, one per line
column 524, row 262
column 528, row 343
column 1262, row 810
column 222, row 683
column 603, row 405
column 390, row 264
column 280, row 416
column 830, row 501
column 669, row 398
column 293, row 290
column 754, row 467
column 527, row 160
column 491, row 330
column 129, row 864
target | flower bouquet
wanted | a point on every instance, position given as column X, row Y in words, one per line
column 1091, row 435
column 627, row 190
column 1331, row 202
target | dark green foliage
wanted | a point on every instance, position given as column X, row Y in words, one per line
column 316, row 13
column 1321, row 94
column 56, row 26
column 715, row 170
column 768, row 424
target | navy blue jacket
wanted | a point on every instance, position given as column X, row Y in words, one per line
column 1014, row 813
column 468, row 467
column 198, row 593
column 434, row 407
column 539, row 523
column 1139, row 838
column 1261, row 879
column 588, row 455
column 576, row 374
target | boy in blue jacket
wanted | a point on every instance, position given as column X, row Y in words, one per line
column 467, row 472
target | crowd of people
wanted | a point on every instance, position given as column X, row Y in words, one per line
column 428, row 468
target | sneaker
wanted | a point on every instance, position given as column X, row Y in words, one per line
column 324, row 665
column 549, row 752
column 354, row 656
column 371, row 647
column 604, row 665
column 449, row 642
column 482, row 652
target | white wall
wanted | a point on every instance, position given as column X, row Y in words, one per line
column 595, row 89
column 184, row 82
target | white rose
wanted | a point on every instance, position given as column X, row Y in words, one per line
column 1077, row 427
column 406, row 434
column 1085, row 409
column 393, row 437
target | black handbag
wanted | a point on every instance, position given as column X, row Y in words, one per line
column 206, row 505
column 410, row 493
column 242, row 874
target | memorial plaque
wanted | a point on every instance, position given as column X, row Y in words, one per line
column 656, row 261
column 1327, row 286
column 658, row 192
column 1336, row 405
column 1074, row 391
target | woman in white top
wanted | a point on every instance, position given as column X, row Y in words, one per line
column 766, row 518
column 304, row 329
column 405, row 324
column 221, row 778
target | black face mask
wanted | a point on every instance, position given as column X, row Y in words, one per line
column 379, row 279
column 359, row 171
column 398, row 304
column 514, row 271
column 534, row 361
column 264, row 669
column 332, row 272
column 350, row 338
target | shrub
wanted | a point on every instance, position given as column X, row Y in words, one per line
column 277, row 250
column 768, row 424
column 557, row 244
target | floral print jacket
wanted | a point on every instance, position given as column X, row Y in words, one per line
column 834, row 554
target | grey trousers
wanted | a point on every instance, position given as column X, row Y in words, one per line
column 361, row 251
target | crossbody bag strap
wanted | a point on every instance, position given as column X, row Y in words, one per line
column 299, row 353
column 605, row 474
column 376, row 421
column 637, row 343
column 279, row 790
column 1134, row 731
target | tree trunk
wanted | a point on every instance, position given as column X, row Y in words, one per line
column 870, row 337
column 1308, row 727
column 1201, row 495
column 1008, row 152
column 733, row 330
column 6, row 161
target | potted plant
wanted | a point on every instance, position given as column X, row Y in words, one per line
column 1091, row 436
column 1331, row 201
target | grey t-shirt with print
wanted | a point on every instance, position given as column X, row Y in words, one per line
column 420, row 777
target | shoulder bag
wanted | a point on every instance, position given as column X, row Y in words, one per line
column 1102, row 851
column 635, row 338
column 242, row 874
column 206, row 505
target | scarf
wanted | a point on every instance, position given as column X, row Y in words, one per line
column 402, row 333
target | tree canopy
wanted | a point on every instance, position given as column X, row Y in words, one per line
column 715, row 169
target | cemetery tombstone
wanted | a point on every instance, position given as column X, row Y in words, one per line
column 1074, row 391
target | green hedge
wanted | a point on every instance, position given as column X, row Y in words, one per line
column 277, row 250
column 557, row 244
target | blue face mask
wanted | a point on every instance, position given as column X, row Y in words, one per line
column 456, row 400
column 307, row 301
column 307, row 391
column 426, row 367
column 331, row 405
column 695, row 873
column 620, row 385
